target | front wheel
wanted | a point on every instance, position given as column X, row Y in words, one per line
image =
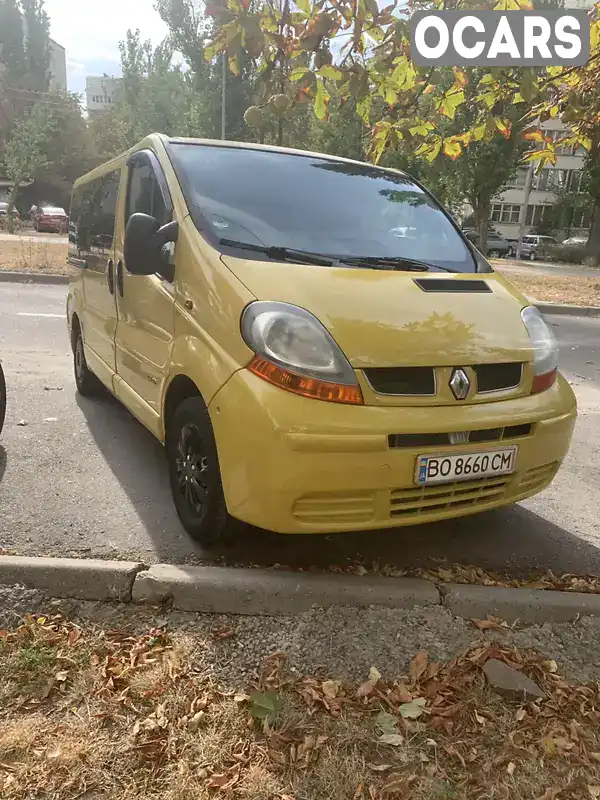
column 88, row 385
column 532, row 256
column 494, row 254
column 194, row 473
column 2, row 398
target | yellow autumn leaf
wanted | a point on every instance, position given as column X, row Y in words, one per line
column 452, row 149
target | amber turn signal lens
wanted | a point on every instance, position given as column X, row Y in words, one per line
column 542, row 382
column 308, row 387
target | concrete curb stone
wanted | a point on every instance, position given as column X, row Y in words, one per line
column 226, row 590
column 528, row 606
column 81, row 579
column 229, row 590
column 32, row 277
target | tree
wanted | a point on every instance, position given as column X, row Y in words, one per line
column 24, row 156
column 374, row 62
column 25, row 44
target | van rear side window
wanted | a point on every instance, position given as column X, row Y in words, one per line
column 93, row 215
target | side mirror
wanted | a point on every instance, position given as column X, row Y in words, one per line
column 144, row 244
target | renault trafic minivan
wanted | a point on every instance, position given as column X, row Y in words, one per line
column 313, row 339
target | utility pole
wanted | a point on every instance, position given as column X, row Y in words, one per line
column 524, row 207
column 224, row 96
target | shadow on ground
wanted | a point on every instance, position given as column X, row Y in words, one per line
column 513, row 540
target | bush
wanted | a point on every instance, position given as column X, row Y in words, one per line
column 573, row 254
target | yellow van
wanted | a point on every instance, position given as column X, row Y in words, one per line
column 313, row 339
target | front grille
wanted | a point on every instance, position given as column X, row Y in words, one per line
column 332, row 508
column 450, row 285
column 443, row 439
column 498, row 377
column 427, row 499
column 402, row 380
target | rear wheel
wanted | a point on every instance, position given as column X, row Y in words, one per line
column 194, row 473
column 88, row 385
column 2, row 398
column 532, row 256
column 494, row 254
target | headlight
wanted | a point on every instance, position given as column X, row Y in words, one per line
column 545, row 349
column 294, row 351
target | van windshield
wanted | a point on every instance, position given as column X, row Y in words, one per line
column 274, row 199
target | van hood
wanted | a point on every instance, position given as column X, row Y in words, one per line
column 386, row 319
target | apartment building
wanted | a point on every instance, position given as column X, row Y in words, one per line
column 548, row 185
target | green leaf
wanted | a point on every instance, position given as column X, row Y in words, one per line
column 329, row 71
column 298, row 72
column 304, row 5
column 451, row 101
column 387, row 723
column 363, row 109
column 321, row 101
column 414, row 709
column 265, row 705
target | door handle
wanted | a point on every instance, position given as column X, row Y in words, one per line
column 111, row 277
column 120, row 278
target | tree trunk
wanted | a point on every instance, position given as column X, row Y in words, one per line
column 482, row 221
column 593, row 244
column 10, row 217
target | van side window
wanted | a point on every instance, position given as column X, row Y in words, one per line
column 144, row 193
column 105, row 212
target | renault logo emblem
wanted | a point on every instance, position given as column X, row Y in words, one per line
column 460, row 383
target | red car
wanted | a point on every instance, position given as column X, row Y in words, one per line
column 51, row 219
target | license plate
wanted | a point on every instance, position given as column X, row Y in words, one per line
column 464, row 467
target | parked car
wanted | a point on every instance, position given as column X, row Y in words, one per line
column 308, row 369
column 51, row 219
column 497, row 246
column 575, row 241
column 532, row 245
column 2, row 398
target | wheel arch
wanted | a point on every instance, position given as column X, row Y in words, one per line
column 179, row 388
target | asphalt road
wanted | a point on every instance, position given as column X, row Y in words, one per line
column 83, row 478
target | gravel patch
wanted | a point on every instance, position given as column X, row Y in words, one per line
column 15, row 602
column 337, row 642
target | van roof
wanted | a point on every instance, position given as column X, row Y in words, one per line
column 154, row 138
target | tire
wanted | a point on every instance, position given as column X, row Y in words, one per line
column 510, row 253
column 195, row 475
column 88, row 385
column 532, row 256
column 494, row 254
column 2, row 398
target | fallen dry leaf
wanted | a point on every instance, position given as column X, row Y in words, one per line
column 511, row 767
column 418, row 665
column 489, row 624
column 330, row 689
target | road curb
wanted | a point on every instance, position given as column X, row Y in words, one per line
column 265, row 592
column 227, row 590
column 567, row 310
column 528, row 606
column 81, row 579
column 32, row 277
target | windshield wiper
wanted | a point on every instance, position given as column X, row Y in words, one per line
column 394, row 262
column 283, row 253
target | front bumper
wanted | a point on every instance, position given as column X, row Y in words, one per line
column 295, row 465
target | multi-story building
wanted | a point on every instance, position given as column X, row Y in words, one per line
column 58, row 67
column 547, row 186
column 100, row 93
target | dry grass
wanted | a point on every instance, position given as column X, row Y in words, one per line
column 100, row 714
column 577, row 291
column 29, row 255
